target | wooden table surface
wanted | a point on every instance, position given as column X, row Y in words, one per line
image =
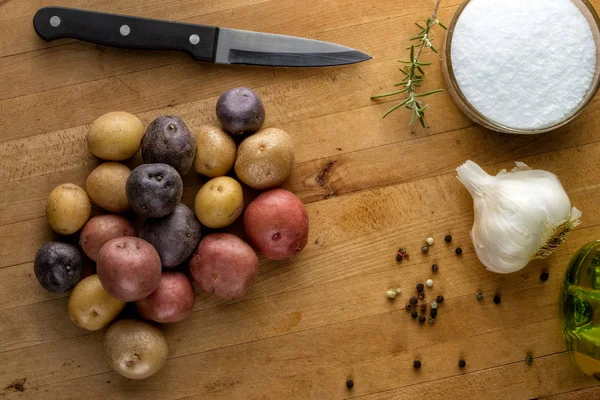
column 370, row 187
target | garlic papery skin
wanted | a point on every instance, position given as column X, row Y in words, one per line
column 519, row 215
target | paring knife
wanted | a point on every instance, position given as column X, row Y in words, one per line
column 206, row 43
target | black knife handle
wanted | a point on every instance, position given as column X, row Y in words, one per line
column 125, row 31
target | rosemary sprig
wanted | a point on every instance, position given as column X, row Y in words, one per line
column 414, row 73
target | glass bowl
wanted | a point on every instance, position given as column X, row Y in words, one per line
column 470, row 111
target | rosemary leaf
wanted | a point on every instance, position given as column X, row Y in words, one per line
column 391, row 110
column 428, row 93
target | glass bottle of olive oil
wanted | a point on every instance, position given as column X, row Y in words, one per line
column 580, row 308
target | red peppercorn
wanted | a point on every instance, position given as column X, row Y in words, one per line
column 423, row 308
column 422, row 295
column 408, row 307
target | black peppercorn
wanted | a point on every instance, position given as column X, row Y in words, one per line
column 422, row 319
column 462, row 363
column 422, row 295
column 433, row 313
column 349, row 384
column 439, row 299
column 399, row 257
column 414, row 314
column 458, row 251
column 425, row 249
column 408, row 307
column 420, row 287
column 416, row 364
column 544, row 276
column 423, row 308
column 435, row 267
column 529, row 359
column 414, row 300
column 448, row 238
column 497, row 299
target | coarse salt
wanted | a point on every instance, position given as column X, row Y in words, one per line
column 525, row 64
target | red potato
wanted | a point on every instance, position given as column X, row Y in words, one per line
column 102, row 228
column 224, row 265
column 276, row 223
column 171, row 301
column 128, row 268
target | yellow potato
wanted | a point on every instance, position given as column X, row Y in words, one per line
column 219, row 202
column 215, row 151
column 115, row 136
column 68, row 208
column 135, row 349
column 91, row 307
column 106, row 186
column 265, row 159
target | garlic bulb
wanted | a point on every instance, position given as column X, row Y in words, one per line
column 519, row 215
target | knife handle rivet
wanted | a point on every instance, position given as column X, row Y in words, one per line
column 55, row 21
column 125, row 30
column 194, row 39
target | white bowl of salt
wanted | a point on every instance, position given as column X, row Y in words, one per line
column 523, row 66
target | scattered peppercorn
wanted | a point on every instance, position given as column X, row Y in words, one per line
column 429, row 283
column 429, row 241
column 416, row 364
column 497, row 299
column 402, row 250
column 414, row 300
column 433, row 313
column 406, row 256
column 448, row 238
column 420, row 287
column 423, row 308
column 435, row 267
column 431, row 320
column 479, row 295
column 425, row 249
column 422, row 319
column 462, row 363
column 391, row 294
column 458, row 251
column 414, row 314
column 349, row 384
column 439, row 299
column 544, row 276
column 399, row 257
column 433, row 305
column 421, row 295
column 529, row 359
column 407, row 307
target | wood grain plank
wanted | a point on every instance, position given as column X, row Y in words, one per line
column 581, row 394
column 309, row 364
column 50, row 69
column 547, row 375
column 344, row 178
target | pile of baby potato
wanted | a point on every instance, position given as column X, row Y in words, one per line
column 153, row 269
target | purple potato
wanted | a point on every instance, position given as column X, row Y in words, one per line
column 169, row 141
column 58, row 266
column 174, row 236
column 154, row 190
column 240, row 111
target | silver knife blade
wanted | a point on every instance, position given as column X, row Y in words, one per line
column 236, row 46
